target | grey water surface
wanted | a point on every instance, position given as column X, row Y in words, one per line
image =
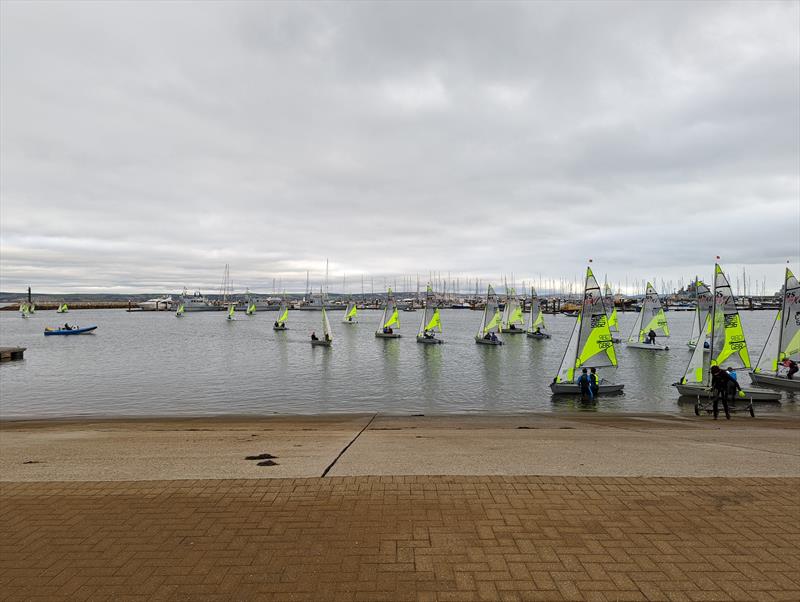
column 154, row 364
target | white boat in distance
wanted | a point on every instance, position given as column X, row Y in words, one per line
column 196, row 302
column 389, row 320
column 157, row 304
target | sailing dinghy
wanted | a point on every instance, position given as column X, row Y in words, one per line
column 590, row 344
column 179, row 313
column 536, row 326
column 783, row 342
column 251, row 308
column 283, row 316
column 24, row 310
column 653, row 313
column 611, row 311
column 327, row 335
column 431, row 322
column 389, row 320
column 350, row 313
column 231, row 310
column 512, row 322
column 490, row 322
column 62, row 309
column 726, row 347
column 701, row 311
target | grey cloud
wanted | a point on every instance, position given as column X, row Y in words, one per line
column 146, row 145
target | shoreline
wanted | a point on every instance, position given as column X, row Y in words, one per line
column 574, row 444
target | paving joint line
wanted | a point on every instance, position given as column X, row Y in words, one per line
column 346, row 447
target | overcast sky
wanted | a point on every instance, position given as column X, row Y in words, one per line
column 145, row 145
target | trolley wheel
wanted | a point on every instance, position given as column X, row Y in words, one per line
column 697, row 409
column 752, row 411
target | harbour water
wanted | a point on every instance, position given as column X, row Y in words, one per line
column 154, row 364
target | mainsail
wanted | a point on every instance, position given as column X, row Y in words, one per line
column 251, row 308
column 611, row 309
column 784, row 337
column 490, row 322
column 181, row 310
column 231, row 310
column 704, row 303
column 512, row 313
column 590, row 343
column 723, row 332
column 651, row 317
column 390, row 318
column 283, row 314
column 327, row 334
column 62, row 309
column 431, row 319
column 536, row 319
column 351, row 312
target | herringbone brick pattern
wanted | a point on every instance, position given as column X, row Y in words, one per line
column 403, row 538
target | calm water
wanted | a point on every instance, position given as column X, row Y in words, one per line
column 202, row 364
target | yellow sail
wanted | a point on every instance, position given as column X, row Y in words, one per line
column 435, row 321
column 394, row 319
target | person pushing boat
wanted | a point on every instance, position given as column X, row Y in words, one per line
column 585, row 386
column 724, row 385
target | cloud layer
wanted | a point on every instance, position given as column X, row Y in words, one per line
column 145, row 145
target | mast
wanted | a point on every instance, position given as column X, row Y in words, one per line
column 713, row 321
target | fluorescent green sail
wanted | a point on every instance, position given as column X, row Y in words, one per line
column 539, row 321
column 251, row 309
column 284, row 316
column 516, row 316
column 599, row 341
column 435, row 321
column 181, row 309
column 63, row 309
column 613, row 322
column 231, row 310
column 494, row 322
column 353, row 312
column 394, row 319
column 658, row 322
column 734, row 342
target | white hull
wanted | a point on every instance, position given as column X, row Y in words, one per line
column 574, row 389
column 654, row 347
column 770, row 380
column 750, row 394
column 425, row 341
column 482, row 341
column 321, row 343
column 383, row 335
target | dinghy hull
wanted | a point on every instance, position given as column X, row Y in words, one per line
column 654, row 347
column 383, row 335
column 750, row 394
column 574, row 389
column 538, row 335
column 425, row 341
column 86, row 330
column 482, row 341
column 513, row 331
column 321, row 343
column 771, row 380
column 277, row 328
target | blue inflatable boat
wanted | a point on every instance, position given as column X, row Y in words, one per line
column 73, row 330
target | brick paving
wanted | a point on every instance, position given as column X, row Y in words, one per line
column 403, row 538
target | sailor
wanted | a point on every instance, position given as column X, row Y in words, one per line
column 722, row 383
column 651, row 336
column 792, row 367
column 732, row 373
column 595, row 384
column 276, row 324
column 494, row 337
column 585, row 386
column 314, row 336
column 67, row 326
column 538, row 330
column 487, row 336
